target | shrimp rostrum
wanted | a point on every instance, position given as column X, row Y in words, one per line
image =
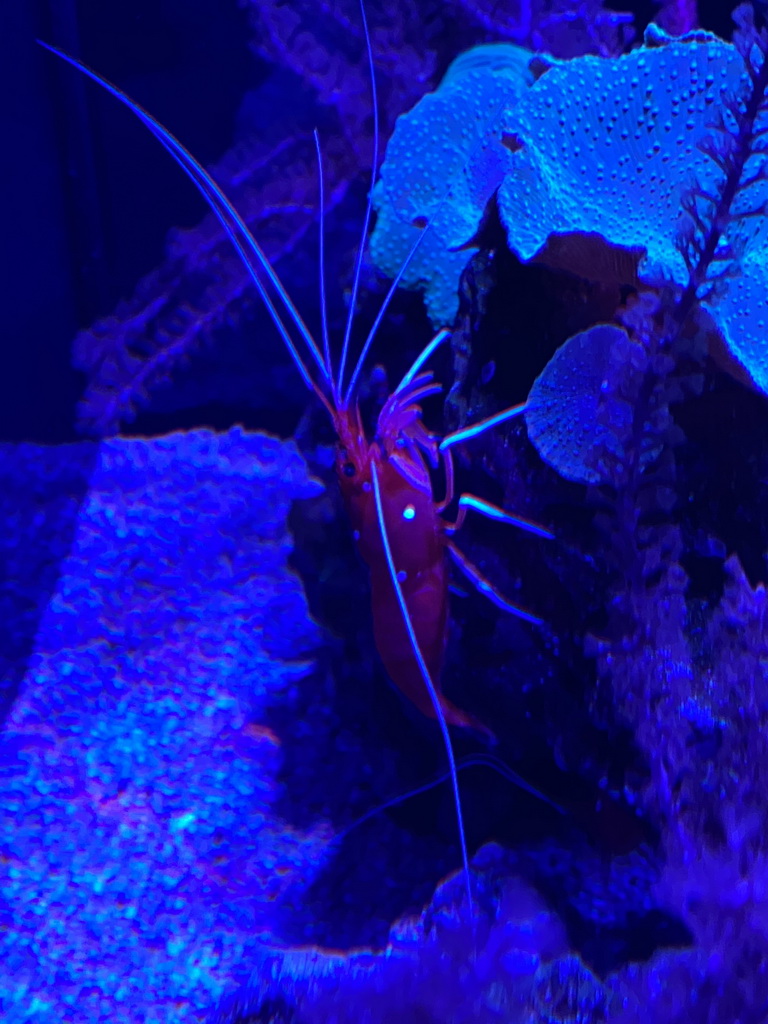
column 387, row 480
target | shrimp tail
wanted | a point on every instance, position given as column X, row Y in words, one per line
column 408, row 673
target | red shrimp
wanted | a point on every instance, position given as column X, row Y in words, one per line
column 386, row 482
column 399, row 460
column 416, row 537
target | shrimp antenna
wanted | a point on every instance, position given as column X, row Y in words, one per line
column 323, row 303
column 380, row 316
column 246, row 245
column 366, row 221
column 368, row 205
column 427, row 681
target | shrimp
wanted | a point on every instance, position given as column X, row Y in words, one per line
column 387, row 481
column 387, row 488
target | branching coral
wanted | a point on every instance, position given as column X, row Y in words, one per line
column 677, row 16
column 271, row 176
column 559, row 27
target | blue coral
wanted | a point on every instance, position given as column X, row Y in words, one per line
column 411, row 197
column 141, row 853
column 563, row 407
column 597, row 158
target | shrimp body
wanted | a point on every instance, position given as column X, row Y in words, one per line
column 403, row 453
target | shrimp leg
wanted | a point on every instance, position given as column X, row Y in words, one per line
column 484, row 585
column 481, row 426
column 491, row 511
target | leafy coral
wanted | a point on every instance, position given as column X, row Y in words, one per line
column 694, row 698
column 600, row 157
column 564, row 405
column 448, row 185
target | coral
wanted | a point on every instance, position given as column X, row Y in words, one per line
column 425, row 973
column 324, row 44
column 677, row 16
column 271, row 176
column 411, row 197
column 509, row 959
column 203, row 286
column 578, row 180
column 716, row 762
column 563, row 408
column 689, row 678
column 624, row 162
column 642, row 155
column 696, row 710
column 559, row 27
column 139, row 776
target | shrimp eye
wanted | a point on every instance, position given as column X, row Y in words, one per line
column 348, row 469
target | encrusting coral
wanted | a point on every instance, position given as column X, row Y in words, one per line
column 137, row 759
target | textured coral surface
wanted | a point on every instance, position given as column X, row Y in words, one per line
column 141, row 857
column 576, row 182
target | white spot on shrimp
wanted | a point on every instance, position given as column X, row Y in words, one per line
column 402, row 575
column 409, row 512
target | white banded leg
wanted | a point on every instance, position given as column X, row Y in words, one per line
column 484, row 585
